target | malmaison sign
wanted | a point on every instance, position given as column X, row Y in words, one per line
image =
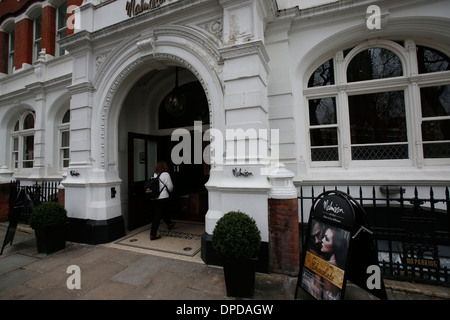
column 135, row 7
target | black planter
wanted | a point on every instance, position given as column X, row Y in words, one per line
column 239, row 277
column 51, row 239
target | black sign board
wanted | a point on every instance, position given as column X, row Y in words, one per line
column 12, row 226
column 339, row 247
column 23, row 200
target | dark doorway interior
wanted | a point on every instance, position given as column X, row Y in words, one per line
column 189, row 197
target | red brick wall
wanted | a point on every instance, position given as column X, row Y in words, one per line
column 4, row 47
column 4, row 201
column 284, row 238
column 49, row 29
column 62, row 197
column 10, row 8
column 23, row 46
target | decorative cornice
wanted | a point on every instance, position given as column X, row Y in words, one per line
column 76, row 41
column 246, row 49
column 108, row 59
column 81, row 87
column 206, row 43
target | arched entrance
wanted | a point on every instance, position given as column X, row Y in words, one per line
column 147, row 123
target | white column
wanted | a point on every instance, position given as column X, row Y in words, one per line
column 241, row 182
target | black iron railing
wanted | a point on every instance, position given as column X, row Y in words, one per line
column 411, row 227
column 24, row 198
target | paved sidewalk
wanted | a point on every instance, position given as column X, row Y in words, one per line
column 114, row 274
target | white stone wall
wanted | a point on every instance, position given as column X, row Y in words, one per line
column 253, row 63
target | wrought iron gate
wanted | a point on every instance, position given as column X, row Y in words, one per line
column 411, row 227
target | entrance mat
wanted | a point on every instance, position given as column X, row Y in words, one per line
column 184, row 239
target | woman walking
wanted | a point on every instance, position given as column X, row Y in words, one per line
column 161, row 205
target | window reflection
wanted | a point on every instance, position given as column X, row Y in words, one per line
column 430, row 60
column 374, row 63
column 435, row 101
column 378, row 118
column 28, row 122
column 322, row 111
column 323, row 76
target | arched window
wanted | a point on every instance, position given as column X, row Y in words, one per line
column 64, row 144
column 370, row 115
column 22, row 142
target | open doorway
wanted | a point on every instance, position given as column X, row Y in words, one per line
column 147, row 121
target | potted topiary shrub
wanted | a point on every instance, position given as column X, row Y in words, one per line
column 49, row 221
column 237, row 239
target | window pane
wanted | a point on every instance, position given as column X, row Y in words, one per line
column 435, row 101
column 375, row 63
column 322, row 111
column 66, row 153
column 37, row 31
column 11, row 41
column 436, row 130
column 324, row 137
column 16, row 126
column 323, row 76
column 65, row 163
column 28, row 151
column 16, row 159
column 15, row 144
column 430, row 60
column 436, row 150
column 66, row 118
column 65, row 138
column 62, row 15
column 325, row 154
column 380, row 152
column 378, row 118
column 28, row 123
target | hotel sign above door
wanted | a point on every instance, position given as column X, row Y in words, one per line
column 135, row 7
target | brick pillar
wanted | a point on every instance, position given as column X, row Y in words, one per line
column 4, row 47
column 49, row 29
column 284, row 235
column 62, row 196
column 4, row 201
column 23, row 45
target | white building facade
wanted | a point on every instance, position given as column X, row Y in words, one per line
column 337, row 92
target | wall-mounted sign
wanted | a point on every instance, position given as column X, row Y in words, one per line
column 339, row 247
column 135, row 7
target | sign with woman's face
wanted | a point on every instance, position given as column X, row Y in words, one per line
column 332, row 234
column 325, row 261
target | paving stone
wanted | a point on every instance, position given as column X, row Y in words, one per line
column 110, row 290
column 15, row 278
column 166, row 285
column 15, row 261
column 141, row 271
column 210, row 280
column 20, row 292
